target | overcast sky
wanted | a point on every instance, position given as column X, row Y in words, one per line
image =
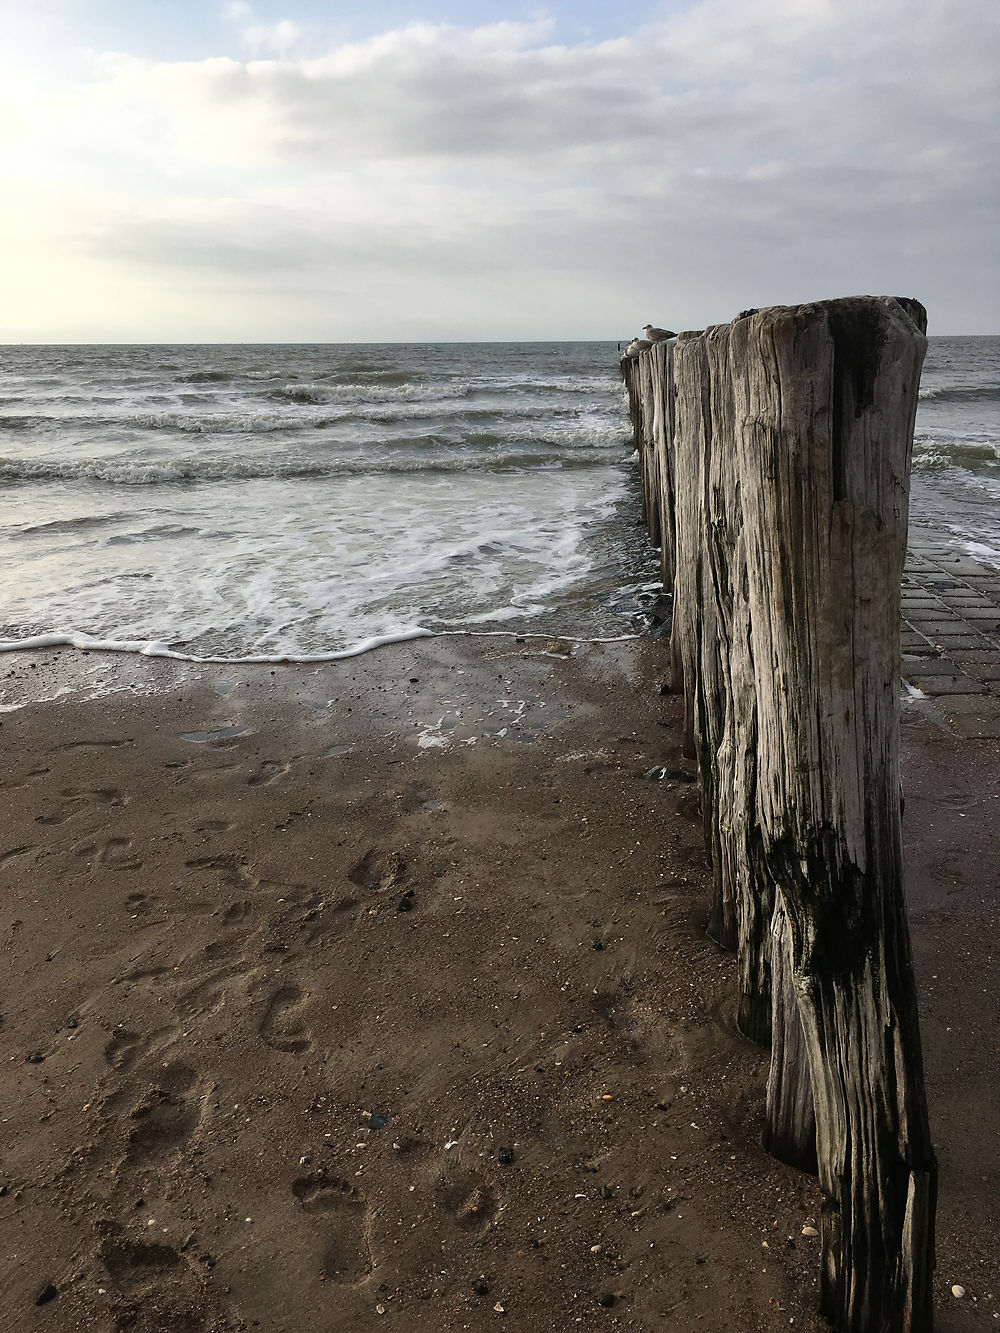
column 342, row 171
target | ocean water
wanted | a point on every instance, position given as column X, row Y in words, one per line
column 956, row 445
column 254, row 500
column 287, row 501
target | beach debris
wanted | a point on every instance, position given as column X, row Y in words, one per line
column 377, row 1121
column 380, row 1309
column 481, row 1287
column 505, row 1156
column 957, row 1291
column 305, row 1160
column 48, row 1293
column 655, row 774
column 662, row 689
column 498, row 1309
column 558, row 648
column 452, row 1143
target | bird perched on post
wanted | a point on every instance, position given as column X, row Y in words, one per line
column 636, row 346
column 657, row 335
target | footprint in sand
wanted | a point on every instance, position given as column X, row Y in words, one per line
column 468, row 1199
column 237, row 912
column 209, row 993
column 112, row 854
column 379, row 869
column 269, row 771
column 155, row 1285
column 135, row 1263
column 75, row 800
column 343, row 1215
column 282, row 1026
column 138, row 904
column 121, row 1049
column 231, row 870
column 15, row 852
column 166, row 1116
column 629, row 1023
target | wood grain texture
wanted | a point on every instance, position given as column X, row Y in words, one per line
column 787, row 473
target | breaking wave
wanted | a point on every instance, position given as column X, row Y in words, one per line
column 147, row 472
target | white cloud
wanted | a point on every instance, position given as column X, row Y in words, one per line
column 735, row 154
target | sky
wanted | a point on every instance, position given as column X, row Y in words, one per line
column 297, row 171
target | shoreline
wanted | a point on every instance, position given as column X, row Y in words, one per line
column 204, row 870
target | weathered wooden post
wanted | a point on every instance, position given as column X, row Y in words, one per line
column 824, row 466
column 789, row 489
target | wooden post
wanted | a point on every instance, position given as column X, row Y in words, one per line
column 824, row 465
column 789, row 487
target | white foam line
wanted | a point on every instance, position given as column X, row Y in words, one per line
column 154, row 648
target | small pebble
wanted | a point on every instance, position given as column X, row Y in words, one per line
column 72, row 1023
column 505, row 1156
column 380, row 1309
column 607, row 1097
column 809, row 1231
column 48, row 1293
column 378, row 1121
column 481, row 1287
column 599, row 945
column 957, row 1291
column 595, row 1249
column 35, row 1058
column 498, row 1309
column 305, row 1160
column 608, row 1299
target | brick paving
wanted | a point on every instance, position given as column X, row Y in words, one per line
column 951, row 635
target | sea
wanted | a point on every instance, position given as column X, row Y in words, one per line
column 259, row 502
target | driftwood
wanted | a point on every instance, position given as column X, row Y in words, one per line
column 787, row 477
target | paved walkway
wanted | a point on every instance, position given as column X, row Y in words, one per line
column 951, row 634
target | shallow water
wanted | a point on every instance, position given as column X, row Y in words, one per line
column 295, row 500
column 292, row 501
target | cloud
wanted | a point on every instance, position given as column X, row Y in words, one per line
column 277, row 38
column 732, row 153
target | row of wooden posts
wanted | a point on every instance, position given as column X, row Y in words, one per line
column 775, row 457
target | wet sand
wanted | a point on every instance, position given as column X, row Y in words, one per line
column 376, row 994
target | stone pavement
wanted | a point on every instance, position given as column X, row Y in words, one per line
column 951, row 634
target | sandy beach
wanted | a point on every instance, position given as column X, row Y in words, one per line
column 375, row 994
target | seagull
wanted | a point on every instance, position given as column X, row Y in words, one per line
column 636, row 346
column 657, row 335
